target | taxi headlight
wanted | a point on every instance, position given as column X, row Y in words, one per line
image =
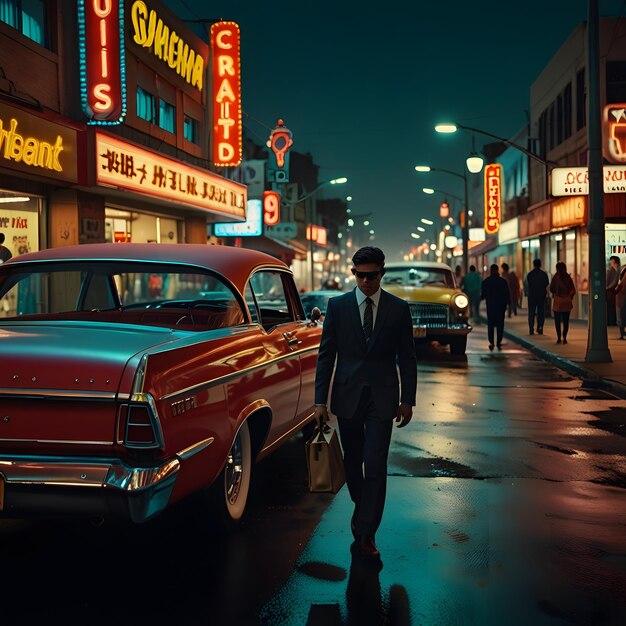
column 460, row 301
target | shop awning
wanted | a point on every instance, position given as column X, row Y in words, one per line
column 484, row 246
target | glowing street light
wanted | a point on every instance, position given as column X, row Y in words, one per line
column 428, row 190
column 427, row 222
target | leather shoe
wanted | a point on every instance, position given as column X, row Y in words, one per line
column 368, row 549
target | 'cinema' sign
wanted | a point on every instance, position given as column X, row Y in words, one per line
column 101, row 56
column 226, row 68
column 493, row 197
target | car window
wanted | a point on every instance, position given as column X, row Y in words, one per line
column 419, row 276
column 271, row 297
column 251, row 302
column 135, row 293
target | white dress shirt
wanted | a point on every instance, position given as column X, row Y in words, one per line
column 360, row 300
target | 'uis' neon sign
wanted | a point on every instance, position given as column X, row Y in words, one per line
column 102, row 64
column 226, row 67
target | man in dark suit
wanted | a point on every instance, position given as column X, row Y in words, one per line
column 370, row 334
column 537, row 281
column 495, row 292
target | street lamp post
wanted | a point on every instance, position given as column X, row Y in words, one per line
column 311, row 216
column 463, row 176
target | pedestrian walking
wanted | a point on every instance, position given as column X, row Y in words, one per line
column 537, row 283
column 495, row 292
column 513, row 282
column 5, row 253
column 563, row 290
column 620, row 302
column 366, row 332
column 612, row 278
column 471, row 285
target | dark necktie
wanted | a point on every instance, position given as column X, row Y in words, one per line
column 368, row 319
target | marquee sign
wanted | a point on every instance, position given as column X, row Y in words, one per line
column 125, row 166
column 151, row 32
column 252, row 227
column 574, row 181
column 493, row 197
column 226, row 67
column 101, row 60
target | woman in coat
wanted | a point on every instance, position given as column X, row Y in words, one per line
column 563, row 290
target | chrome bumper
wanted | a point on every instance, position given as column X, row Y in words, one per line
column 40, row 485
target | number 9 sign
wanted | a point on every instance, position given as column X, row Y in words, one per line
column 271, row 208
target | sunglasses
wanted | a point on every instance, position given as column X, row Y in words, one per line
column 368, row 275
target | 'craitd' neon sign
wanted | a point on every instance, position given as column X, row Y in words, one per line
column 226, row 66
column 101, row 58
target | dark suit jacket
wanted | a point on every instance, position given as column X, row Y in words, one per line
column 373, row 363
column 495, row 292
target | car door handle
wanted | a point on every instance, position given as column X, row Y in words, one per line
column 291, row 340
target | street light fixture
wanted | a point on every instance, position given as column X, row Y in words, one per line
column 428, row 190
column 427, row 222
column 463, row 177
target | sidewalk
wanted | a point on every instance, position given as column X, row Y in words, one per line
column 571, row 356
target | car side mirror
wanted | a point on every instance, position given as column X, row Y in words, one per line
column 315, row 314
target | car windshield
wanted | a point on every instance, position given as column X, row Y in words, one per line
column 419, row 276
column 155, row 294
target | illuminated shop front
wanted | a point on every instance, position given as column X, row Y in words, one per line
column 38, row 155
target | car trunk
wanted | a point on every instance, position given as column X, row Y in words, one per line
column 60, row 381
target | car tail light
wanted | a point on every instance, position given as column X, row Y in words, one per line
column 140, row 426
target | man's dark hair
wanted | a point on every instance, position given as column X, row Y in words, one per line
column 537, row 263
column 494, row 268
column 615, row 258
column 369, row 254
column 1, row 238
column 505, row 267
column 472, row 268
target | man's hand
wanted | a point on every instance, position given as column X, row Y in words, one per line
column 405, row 412
column 321, row 415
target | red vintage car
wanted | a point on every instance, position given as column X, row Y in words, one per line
column 134, row 375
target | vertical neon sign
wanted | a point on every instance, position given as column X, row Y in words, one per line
column 102, row 60
column 226, row 68
column 493, row 197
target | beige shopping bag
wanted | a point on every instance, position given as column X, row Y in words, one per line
column 325, row 461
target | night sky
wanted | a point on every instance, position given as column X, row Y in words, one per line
column 361, row 86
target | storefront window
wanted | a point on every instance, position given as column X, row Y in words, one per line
column 146, row 106
column 191, row 130
column 19, row 222
column 167, row 116
column 27, row 16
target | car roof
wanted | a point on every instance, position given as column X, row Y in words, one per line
column 234, row 263
column 418, row 264
column 323, row 292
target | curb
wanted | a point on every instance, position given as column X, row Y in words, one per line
column 588, row 377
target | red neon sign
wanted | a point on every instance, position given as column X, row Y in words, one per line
column 101, row 66
column 271, row 208
column 493, row 197
column 226, row 67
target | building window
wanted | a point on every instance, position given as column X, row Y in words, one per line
column 146, row 106
column 191, row 130
column 167, row 116
column 581, row 101
column 552, row 126
column 27, row 16
column 615, row 81
column 567, row 111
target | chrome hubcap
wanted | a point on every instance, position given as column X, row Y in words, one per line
column 234, row 471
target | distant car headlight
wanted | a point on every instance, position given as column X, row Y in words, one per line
column 460, row 301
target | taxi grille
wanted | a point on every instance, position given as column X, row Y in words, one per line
column 429, row 315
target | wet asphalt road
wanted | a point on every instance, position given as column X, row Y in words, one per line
column 506, row 505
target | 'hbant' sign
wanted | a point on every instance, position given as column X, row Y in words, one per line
column 35, row 145
column 126, row 166
column 493, row 197
column 226, row 67
column 101, row 58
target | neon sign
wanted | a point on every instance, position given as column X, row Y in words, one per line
column 252, row 227
column 226, row 66
column 125, row 166
column 493, row 197
column 614, row 132
column 102, row 61
column 271, row 208
column 149, row 31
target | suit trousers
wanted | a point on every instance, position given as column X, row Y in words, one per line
column 536, row 305
column 495, row 320
column 365, row 439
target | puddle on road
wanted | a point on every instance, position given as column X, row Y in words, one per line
column 428, row 467
column 547, row 446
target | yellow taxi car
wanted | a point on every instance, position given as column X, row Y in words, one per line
column 440, row 310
